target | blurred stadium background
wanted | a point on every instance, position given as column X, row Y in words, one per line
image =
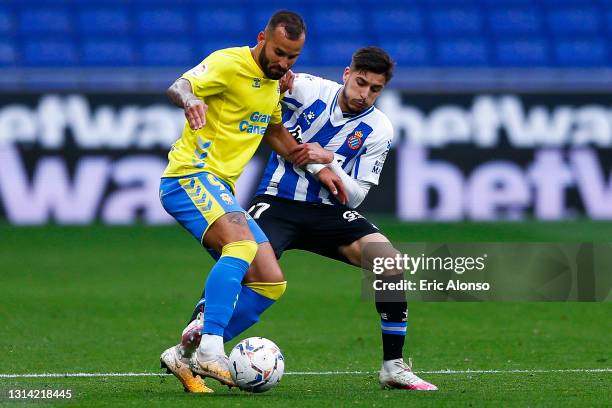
column 501, row 107
column 502, row 111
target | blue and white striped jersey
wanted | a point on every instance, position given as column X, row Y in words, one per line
column 312, row 114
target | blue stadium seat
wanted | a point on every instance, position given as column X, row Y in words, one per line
column 338, row 52
column 258, row 18
column 586, row 52
column 162, row 21
column 336, row 21
column 155, row 4
column 574, row 20
column 207, row 44
column 222, row 21
column 509, row 3
column 465, row 32
column 169, row 53
column 8, row 54
column 389, row 22
column 7, row 23
column 41, row 21
column 456, row 21
column 462, row 52
column 104, row 20
column 49, row 52
column 451, row 3
column 555, row 4
column 522, row 53
column 514, row 21
column 409, row 52
column 306, row 59
column 609, row 20
column 257, row 14
column 107, row 53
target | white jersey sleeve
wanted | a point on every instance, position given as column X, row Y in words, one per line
column 305, row 91
column 369, row 164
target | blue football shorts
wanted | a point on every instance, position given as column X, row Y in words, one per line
column 198, row 200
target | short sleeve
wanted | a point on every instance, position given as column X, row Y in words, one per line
column 277, row 115
column 212, row 76
column 305, row 91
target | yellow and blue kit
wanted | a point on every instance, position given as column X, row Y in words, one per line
column 197, row 187
column 198, row 184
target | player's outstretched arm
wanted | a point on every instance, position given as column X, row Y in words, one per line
column 181, row 94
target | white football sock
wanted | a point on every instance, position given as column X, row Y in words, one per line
column 211, row 345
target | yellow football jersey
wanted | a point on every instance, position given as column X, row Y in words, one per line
column 241, row 103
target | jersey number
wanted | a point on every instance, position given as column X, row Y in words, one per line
column 258, row 209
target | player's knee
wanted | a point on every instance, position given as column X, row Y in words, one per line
column 271, row 290
column 245, row 250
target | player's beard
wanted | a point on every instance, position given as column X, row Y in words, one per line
column 347, row 100
column 266, row 67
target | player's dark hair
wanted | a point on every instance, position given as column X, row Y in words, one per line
column 292, row 22
column 373, row 59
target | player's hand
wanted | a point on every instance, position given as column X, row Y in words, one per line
column 195, row 112
column 307, row 153
column 334, row 184
column 286, row 82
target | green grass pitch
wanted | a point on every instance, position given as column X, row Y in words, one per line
column 110, row 299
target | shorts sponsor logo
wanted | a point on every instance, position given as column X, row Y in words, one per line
column 351, row 215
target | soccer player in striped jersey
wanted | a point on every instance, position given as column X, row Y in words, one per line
column 338, row 129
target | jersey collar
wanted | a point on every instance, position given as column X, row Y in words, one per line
column 336, row 114
column 251, row 61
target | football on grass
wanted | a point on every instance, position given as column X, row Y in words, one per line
column 256, row 364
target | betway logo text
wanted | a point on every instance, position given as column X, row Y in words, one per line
column 112, row 191
column 501, row 189
column 55, row 117
column 491, row 119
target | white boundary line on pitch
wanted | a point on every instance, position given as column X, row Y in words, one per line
column 536, row 371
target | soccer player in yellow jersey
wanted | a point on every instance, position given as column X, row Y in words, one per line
column 231, row 103
column 230, row 100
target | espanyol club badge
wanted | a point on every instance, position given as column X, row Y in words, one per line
column 355, row 141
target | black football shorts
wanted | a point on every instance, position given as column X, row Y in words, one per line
column 318, row 228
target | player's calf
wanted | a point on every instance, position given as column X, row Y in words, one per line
column 393, row 310
column 265, row 285
column 255, row 298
